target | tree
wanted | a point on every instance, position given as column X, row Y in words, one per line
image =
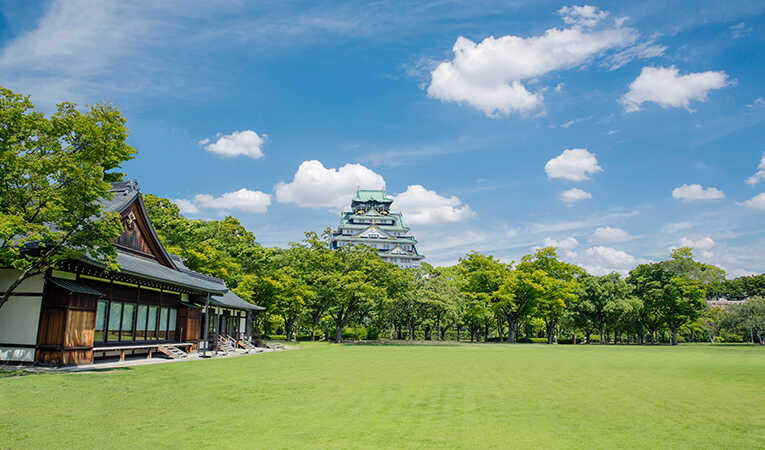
column 683, row 302
column 441, row 291
column 518, row 298
column 489, row 282
column 352, row 281
column 314, row 257
column 600, row 298
column 751, row 316
column 55, row 175
column 558, row 282
column 671, row 292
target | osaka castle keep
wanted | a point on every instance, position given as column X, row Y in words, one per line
column 370, row 222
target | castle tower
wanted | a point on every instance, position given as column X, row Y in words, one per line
column 371, row 223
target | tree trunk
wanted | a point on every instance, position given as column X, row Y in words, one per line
column 458, row 333
column 674, row 335
column 411, row 330
column 602, row 333
column 549, row 331
column 288, row 329
column 486, row 332
column 427, row 333
column 339, row 324
column 511, row 330
column 398, row 332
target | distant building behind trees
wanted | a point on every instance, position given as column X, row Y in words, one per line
column 370, row 222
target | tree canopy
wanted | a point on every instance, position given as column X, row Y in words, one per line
column 55, row 174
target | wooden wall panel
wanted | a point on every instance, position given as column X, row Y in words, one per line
column 132, row 235
column 189, row 324
column 78, row 357
column 80, row 328
column 52, row 325
column 66, row 331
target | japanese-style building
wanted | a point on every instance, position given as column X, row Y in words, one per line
column 79, row 311
column 370, row 222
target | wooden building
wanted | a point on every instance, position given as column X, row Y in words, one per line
column 79, row 311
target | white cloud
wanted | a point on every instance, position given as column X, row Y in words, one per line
column 740, row 30
column 576, row 164
column 186, row 206
column 595, row 220
column 488, row 75
column 691, row 192
column 760, row 174
column 85, row 52
column 423, row 207
column 643, row 50
column 609, row 235
column 757, row 103
column 574, row 121
column 315, row 186
column 586, row 16
column 574, row 195
column 678, row 226
column 704, row 243
column 238, row 143
column 756, row 202
column 563, row 244
column 610, row 257
column 666, row 87
column 243, row 200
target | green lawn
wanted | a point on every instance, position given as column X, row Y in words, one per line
column 354, row 396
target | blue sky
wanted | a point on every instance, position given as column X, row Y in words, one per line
column 613, row 130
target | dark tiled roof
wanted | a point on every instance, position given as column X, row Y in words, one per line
column 123, row 193
column 75, row 286
column 151, row 269
column 228, row 300
column 231, row 300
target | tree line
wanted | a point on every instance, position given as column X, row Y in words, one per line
column 311, row 291
column 56, row 172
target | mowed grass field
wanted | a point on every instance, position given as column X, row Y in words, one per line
column 404, row 396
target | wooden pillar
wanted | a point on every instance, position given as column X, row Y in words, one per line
column 217, row 327
column 206, row 325
column 248, row 325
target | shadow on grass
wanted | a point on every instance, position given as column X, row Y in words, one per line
column 404, row 343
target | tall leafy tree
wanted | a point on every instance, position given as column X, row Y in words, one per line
column 55, row 173
column 671, row 291
column 353, row 282
column 441, row 291
column 750, row 316
column 601, row 299
column 559, row 283
column 490, row 282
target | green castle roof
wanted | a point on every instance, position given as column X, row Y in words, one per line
column 372, row 195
